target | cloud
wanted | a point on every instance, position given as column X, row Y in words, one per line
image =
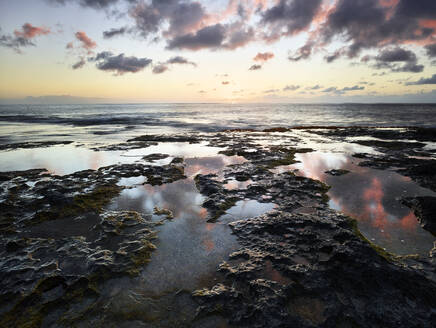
column 176, row 60
column 430, row 80
column 302, row 53
column 315, row 87
column 332, row 57
column 28, row 31
column 120, row 64
column 23, row 37
column 263, row 57
column 187, row 25
column 69, row 45
column 79, row 64
column 114, row 32
column 87, row 42
column 331, row 89
column 181, row 17
column 271, row 91
column 180, row 60
column 160, row 68
column 225, row 83
column 391, row 57
column 208, row 37
column 337, row 91
column 431, row 50
column 291, row 88
column 288, row 17
column 96, row 4
column 357, row 25
column 353, row 88
column 255, row 67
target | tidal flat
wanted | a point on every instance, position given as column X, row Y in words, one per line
column 304, row 227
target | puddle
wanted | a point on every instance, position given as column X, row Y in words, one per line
column 372, row 197
column 189, row 250
column 210, row 165
column 245, row 209
column 131, row 182
column 60, row 160
column 176, row 149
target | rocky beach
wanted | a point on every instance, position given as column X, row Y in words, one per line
column 281, row 227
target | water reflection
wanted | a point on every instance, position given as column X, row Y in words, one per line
column 176, row 149
column 210, row 165
column 235, row 184
column 189, row 249
column 372, row 197
column 244, row 209
column 60, row 160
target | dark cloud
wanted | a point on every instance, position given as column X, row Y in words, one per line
column 180, row 60
column 353, row 88
column 288, row 17
column 331, row 89
column 160, row 68
column 96, row 4
column 23, row 37
column 368, row 23
column 120, row 64
column 291, row 88
column 332, row 57
column 15, row 43
column 79, row 64
column 396, row 55
column 315, row 87
column 430, row 80
column 176, row 60
column 255, row 67
column 431, row 50
column 182, row 17
column 208, row 37
column 114, row 32
column 238, row 35
column 147, row 19
column 263, row 56
column 343, row 90
column 398, row 60
column 302, row 53
column 187, row 25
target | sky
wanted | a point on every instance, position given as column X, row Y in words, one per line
column 218, row 51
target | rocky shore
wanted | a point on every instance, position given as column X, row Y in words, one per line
column 302, row 264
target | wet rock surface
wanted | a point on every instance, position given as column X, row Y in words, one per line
column 337, row 172
column 299, row 265
column 313, row 270
column 59, row 243
column 425, row 211
column 33, row 144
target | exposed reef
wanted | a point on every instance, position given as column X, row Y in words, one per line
column 33, row 144
column 301, row 264
column 59, row 242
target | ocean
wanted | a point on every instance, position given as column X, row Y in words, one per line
column 112, row 121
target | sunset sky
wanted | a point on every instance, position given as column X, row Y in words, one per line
column 219, row 51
